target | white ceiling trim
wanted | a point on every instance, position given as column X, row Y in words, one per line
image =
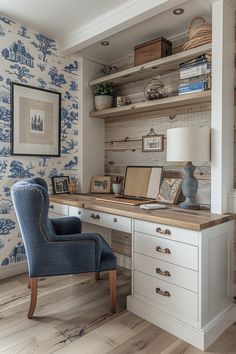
column 118, row 19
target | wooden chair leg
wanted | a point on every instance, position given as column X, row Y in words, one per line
column 33, row 300
column 112, row 281
column 29, row 284
column 97, row 275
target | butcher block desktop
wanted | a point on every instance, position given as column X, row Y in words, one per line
column 173, row 215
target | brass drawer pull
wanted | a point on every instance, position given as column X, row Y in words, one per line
column 51, row 206
column 163, row 250
column 95, row 216
column 163, row 293
column 163, row 232
column 165, row 273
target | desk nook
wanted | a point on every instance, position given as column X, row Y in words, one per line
column 179, row 260
column 118, row 174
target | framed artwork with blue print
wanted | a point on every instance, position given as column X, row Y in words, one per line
column 36, row 121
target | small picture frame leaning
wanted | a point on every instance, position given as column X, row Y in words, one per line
column 153, row 142
column 60, row 184
column 100, row 184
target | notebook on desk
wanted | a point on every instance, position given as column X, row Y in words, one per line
column 142, row 185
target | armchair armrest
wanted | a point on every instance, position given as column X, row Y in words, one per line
column 67, row 225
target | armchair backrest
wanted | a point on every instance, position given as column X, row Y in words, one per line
column 31, row 203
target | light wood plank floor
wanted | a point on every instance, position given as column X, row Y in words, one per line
column 72, row 316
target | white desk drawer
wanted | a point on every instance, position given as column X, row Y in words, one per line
column 166, row 250
column 56, row 208
column 110, row 221
column 171, row 273
column 165, row 231
column 174, row 299
column 79, row 212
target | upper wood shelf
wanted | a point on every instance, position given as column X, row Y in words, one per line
column 169, row 103
column 153, row 68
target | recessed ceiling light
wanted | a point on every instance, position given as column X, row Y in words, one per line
column 105, row 43
column 178, row 11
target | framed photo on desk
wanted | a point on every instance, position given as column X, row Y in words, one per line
column 60, row 184
column 100, row 184
column 170, row 190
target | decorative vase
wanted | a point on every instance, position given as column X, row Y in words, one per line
column 103, row 102
column 117, row 187
column 155, row 89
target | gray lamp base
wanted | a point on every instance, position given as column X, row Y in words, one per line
column 189, row 188
column 189, row 205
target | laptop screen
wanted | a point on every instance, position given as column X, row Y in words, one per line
column 142, row 181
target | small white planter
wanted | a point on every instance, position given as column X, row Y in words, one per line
column 103, row 102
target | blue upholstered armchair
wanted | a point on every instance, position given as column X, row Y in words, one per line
column 57, row 246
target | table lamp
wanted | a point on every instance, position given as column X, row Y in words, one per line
column 189, row 144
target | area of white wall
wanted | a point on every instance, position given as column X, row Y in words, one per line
column 91, row 131
column 222, row 147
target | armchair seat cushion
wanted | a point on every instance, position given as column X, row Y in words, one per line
column 66, row 225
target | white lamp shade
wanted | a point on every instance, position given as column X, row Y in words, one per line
column 188, row 144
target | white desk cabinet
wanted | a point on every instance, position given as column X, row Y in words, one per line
column 182, row 279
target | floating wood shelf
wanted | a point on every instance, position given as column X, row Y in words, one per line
column 153, row 68
column 169, row 103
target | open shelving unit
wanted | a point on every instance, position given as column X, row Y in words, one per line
column 195, row 101
column 152, row 68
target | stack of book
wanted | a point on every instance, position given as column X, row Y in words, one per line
column 195, row 75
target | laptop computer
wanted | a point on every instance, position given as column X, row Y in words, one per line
column 141, row 185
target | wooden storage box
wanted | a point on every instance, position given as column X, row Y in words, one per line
column 152, row 50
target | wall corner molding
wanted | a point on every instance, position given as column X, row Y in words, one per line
column 232, row 201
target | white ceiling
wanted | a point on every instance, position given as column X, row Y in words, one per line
column 166, row 25
column 56, row 18
column 82, row 24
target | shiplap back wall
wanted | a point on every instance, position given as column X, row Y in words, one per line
column 123, row 145
column 119, row 154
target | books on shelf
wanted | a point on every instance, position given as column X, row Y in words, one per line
column 195, row 75
column 195, row 70
column 191, row 88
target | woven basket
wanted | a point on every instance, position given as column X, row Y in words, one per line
column 199, row 34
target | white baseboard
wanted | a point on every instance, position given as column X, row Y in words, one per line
column 219, row 324
column 199, row 338
column 12, row 270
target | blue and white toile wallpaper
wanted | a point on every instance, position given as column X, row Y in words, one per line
column 32, row 58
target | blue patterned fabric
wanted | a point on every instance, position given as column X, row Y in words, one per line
column 56, row 246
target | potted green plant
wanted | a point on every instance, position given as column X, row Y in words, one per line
column 103, row 96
